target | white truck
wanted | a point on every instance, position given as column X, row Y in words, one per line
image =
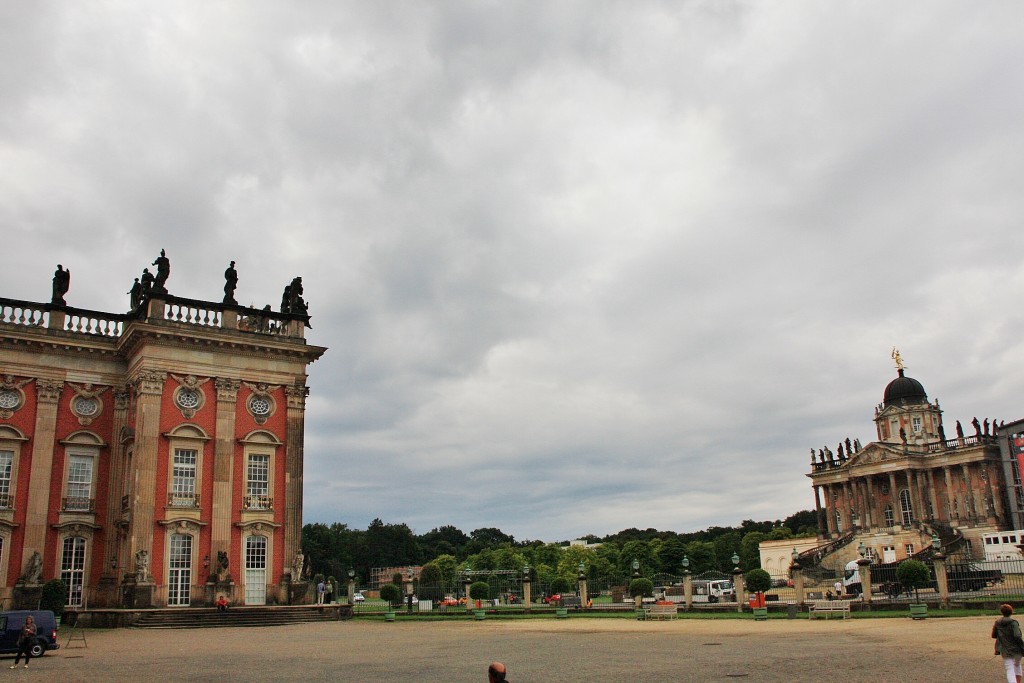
column 713, row 591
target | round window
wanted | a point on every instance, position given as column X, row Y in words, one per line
column 9, row 399
column 86, row 407
column 260, row 406
column 188, row 399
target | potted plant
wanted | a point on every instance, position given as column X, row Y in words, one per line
column 758, row 582
column 641, row 588
column 915, row 574
column 390, row 594
column 479, row 591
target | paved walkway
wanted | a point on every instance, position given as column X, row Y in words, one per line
column 549, row 651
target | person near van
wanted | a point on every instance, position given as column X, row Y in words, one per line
column 1009, row 645
column 27, row 640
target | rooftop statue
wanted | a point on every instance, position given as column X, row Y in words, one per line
column 61, row 285
column 163, row 271
column 136, row 294
column 230, row 282
column 147, row 283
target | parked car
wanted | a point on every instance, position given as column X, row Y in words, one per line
column 46, row 631
column 448, row 601
column 358, row 597
column 550, row 599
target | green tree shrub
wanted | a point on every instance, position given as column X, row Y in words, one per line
column 642, row 587
column 758, row 581
column 913, row 574
column 479, row 590
column 560, row 585
column 54, row 596
column 391, row 594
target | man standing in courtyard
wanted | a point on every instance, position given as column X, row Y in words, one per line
column 496, row 673
column 321, row 588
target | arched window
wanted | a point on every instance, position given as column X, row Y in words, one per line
column 256, row 570
column 906, row 512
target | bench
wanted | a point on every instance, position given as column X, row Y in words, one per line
column 658, row 612
column 570, row 601
column 826, row 608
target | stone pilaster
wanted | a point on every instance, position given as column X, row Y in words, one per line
column 296, row 397
column 224, row 451
column 116, row 488
column 148, row 386
column 44, row 440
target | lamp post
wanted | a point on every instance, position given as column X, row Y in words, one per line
column 864, row 570
column 637, row 599
column 687, row 583
column 526, row 586
column 797, row 573
column 582, row 569
column 351, row 586
column 939, row 565
column 466, row 581
column 737, row 582
column 408, row 590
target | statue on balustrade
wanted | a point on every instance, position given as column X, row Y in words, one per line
column 985, row 432
column 136, row 294
column 147, row 284
column 61, row 285
column 230, row 282
column 959, row 430
column 163, row 271
column 942, row 432
column 977, row 426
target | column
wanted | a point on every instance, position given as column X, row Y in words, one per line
column 877, row 518
column 296, row 396
column 149, row 386
column 688, row 589
column 915, row 495
column 864, row 569
column 822, row 529
column 116, row 486
column 970, row 505
column 933, row 496
column 741, row 593
column 38, row 502
column 223, row 458
column 894, row 495
column 950, row 495
column 798, row 582
column 941, row 578
column 830, row 522
column 995, row 491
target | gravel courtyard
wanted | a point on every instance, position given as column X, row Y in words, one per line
column 536, row 650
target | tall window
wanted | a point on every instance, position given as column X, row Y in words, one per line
column 890, row 519
column 6, row 468
column 72, row 568
column 906, row 512
column 839, row 521
column 255, row 570
column 258, row 482
column 183, row 477
column 179, row 575
column 79, row 493
column 915, row 423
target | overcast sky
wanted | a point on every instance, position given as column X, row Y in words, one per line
column 580, row 266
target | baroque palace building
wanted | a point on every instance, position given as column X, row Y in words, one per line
column 153, row 458
column 914, row 482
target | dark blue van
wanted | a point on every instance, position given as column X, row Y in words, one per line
column 10, row 628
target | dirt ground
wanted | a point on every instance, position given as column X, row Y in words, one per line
column 536, row 650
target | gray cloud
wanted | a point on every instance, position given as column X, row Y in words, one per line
column 581, row 266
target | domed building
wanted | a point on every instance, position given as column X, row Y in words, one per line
column 913, row 482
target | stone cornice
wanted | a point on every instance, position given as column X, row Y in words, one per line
column 209, row 338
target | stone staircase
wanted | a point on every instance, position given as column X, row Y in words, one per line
column 208, row 617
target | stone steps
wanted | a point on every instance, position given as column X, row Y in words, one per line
column 208, row 617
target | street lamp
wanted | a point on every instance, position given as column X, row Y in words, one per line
column 636, row 568
column 795, row 556
column 936, row 543
column 582, row 570
column 686, row 564
column 735, row 561
column 862, row 549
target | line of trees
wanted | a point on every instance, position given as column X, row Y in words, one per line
column 332, row 549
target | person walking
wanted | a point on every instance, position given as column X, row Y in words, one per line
column 27, row 640
column 1009, row 644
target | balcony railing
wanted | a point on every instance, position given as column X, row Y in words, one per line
column 78, row 504
column 168, row 308
column 258, row 503
column 183, row 500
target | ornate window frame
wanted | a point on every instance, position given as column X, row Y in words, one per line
column 11, row 440
column 261, row 403
column 187, row 527
column 262, row 443
column 81, row 444
column 12, row 387
column 185, row 437
column 188, row 396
